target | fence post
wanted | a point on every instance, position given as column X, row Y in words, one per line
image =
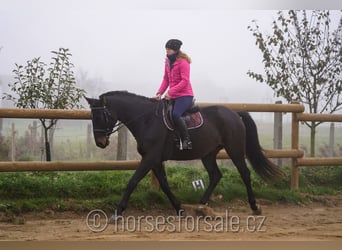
column 89, row 142
column 278, row 132
column 295, row 146
column 33, row 137
column 122, row 144
column 1, row 125
column 331, row 139
column 13, row 143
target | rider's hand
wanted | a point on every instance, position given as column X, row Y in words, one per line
column 167, row 96
column 158, row 97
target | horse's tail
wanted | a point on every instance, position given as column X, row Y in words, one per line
column 262, row 166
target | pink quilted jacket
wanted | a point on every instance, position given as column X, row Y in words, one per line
column 177, row 79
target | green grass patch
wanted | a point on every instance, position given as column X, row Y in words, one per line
column 83, row 191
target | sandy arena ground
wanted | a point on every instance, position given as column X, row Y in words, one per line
column 316, row 221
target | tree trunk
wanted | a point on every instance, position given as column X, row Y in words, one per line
column 47, row 145
column 48, row 151
column 51, row 139
column 312, row 139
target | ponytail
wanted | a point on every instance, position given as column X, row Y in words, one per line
column 181, row 54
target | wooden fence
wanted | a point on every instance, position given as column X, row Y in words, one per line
column 294, row 153
column 310, row 161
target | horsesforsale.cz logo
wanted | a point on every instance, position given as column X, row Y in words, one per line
column 97, row 220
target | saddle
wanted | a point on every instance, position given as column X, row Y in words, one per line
column 192, row 117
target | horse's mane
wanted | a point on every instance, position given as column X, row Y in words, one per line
column 125, row 93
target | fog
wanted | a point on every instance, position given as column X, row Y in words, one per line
column 119, row 45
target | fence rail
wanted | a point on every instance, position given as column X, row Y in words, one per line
column 46, row 113
column 67, row 166
column 294, row 153
column 310, row 161
column 275, row 153
column 257, row 107
column 319, row 117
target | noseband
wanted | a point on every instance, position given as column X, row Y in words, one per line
column 108, row 118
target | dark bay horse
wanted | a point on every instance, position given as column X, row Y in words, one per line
column 223, row 128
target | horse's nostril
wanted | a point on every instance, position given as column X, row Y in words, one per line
column 100, row 145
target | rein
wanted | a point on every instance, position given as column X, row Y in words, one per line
column 120, row 124
column 108, row 132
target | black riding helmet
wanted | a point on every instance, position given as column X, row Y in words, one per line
column 173, row 44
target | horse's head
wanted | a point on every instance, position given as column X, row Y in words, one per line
column 103, row 121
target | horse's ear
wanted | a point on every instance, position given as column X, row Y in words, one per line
column 88, row 99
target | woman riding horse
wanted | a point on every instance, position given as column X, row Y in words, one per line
column 223, row 128
column 176, row 84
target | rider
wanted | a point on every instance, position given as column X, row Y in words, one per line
column 177, row 86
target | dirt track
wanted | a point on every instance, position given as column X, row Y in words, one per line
column 315, row 221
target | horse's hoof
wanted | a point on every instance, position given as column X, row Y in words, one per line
column 115, row 218
column 258, row 211
column 181, row 213
column 202, row 205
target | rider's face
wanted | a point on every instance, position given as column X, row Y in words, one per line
column 170, row 51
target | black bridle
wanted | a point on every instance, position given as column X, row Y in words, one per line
column 108, row 120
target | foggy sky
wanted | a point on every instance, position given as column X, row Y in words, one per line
column 122, row 43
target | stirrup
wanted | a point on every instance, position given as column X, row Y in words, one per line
column 186, row 144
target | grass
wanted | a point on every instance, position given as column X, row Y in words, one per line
column 83, row 191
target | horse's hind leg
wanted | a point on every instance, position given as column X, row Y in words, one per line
column 240, row 163
column 214, row 173
column 160, row 173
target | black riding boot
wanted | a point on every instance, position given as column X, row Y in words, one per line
column 184, row 133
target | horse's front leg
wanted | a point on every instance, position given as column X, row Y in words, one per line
column 159, row 172
column 143, row 168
